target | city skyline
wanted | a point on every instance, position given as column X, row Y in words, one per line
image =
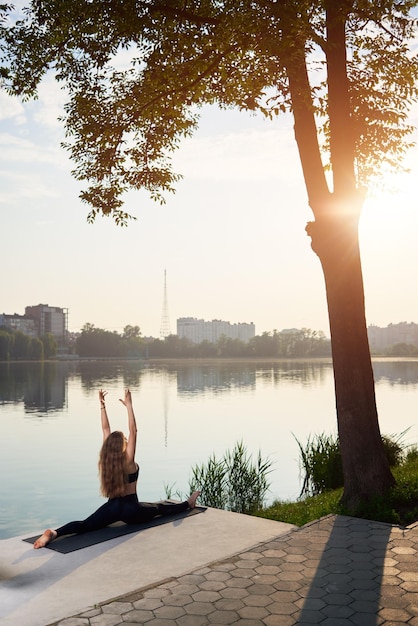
column 206, row 329
column 232, row 238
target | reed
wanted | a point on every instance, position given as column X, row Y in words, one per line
column 235, row 482
column 211, row 479
column 320, row 459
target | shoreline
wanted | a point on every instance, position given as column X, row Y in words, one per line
column 201, row 360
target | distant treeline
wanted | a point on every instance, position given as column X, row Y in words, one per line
column 398, row 349
column 97, row 342
column 15, row 345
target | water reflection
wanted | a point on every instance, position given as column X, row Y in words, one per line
column 186, row 411
column 217, row 379
column 42, row 387
column 305, row 373
column 401, row 372
column 93, row 372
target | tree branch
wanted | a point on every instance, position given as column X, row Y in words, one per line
column 306, row 133
column 339, row 110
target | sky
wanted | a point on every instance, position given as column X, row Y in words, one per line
column 231, row 239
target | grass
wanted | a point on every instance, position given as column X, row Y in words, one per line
column 400, row 506
column 322, row 463
column 237, row 483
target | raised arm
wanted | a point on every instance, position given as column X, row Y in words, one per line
column 131, row 445
column 103, row 414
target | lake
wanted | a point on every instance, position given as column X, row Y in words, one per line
column 51, row 434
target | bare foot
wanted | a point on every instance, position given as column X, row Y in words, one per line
column 192, row 499
column 47, row 536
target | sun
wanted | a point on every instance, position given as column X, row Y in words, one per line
column 389, row 219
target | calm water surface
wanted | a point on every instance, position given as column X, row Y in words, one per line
column 51, row 435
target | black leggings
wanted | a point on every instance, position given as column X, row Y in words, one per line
column 125, row 509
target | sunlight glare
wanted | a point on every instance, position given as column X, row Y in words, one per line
column 389, row 216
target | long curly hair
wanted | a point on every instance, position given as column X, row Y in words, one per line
column 112, row 466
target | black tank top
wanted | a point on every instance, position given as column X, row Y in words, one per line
column 134, row 476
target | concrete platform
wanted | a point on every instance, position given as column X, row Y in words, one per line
column 220, row 568
column 39, row 587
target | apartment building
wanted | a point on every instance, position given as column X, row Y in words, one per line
column 18, row 322
column 48, row 319
column 198, row 330
column 381, row 338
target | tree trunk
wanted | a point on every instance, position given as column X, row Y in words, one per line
column 365, row 465
column 334, row 236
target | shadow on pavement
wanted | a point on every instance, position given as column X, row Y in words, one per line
column 348, row 578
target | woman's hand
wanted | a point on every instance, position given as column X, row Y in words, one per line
column 131, row 445
column 103, row 414
column 127, row 401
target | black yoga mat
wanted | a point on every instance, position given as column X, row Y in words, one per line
column 70, row 543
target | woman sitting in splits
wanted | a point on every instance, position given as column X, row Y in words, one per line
column 118, row 477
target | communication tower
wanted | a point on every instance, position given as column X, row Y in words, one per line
column 165, row 321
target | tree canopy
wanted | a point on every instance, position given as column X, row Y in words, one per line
column 137, row 73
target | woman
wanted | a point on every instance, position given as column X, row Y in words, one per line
column 118, row 477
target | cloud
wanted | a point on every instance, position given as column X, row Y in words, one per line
column 23, row 150
column 27, row 190
column 50, row 105
column 11, row 108
column 251, row 154
column 44, row 111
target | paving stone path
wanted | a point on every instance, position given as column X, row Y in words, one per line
column 337, row 571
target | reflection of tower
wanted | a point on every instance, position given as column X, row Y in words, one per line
column 165, row 382
column 165, row 322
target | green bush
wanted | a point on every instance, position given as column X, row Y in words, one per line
column 234, row 483
column 395, row 450
column 321, row 461
column 411, row 454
